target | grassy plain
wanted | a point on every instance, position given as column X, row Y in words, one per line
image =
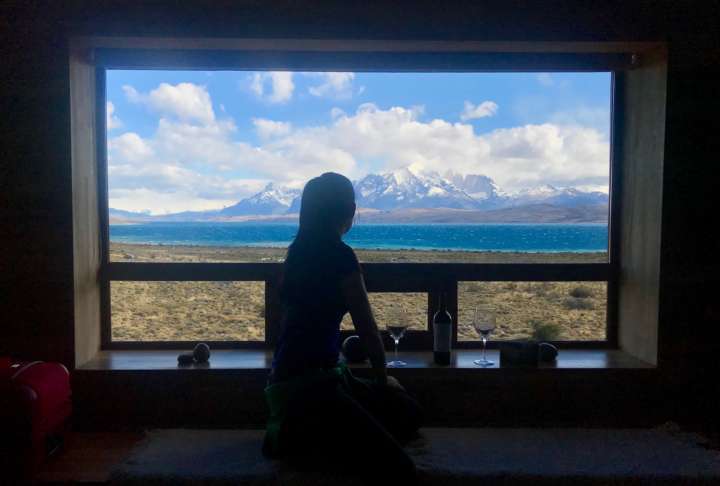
column 191, row 311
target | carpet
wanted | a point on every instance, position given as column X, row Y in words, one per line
column 444, row 456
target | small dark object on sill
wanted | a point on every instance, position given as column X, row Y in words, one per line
column 199, row 356
column 547, row 353
column 354, row 350
column 526, row 353
column 201, row 353
column 185, row 359
column 519, row 354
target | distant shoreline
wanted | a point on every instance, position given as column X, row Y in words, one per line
column 209, row 253
column 283, row 246
column 383, row 223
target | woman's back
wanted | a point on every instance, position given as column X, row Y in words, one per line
column 313, row 304
column 320, row 283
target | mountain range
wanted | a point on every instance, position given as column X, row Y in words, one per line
column 409, row 196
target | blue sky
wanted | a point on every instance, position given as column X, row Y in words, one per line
column 180, row 140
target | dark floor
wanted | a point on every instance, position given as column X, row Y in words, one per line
column 447, row 456
column 88, row 456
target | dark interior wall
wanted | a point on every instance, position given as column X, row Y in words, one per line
column 690, row 279
column 36, row 281
column 36, row 301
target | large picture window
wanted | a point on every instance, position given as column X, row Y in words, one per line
column 494, row 188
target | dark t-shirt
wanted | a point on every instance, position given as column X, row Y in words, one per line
column 313, row 306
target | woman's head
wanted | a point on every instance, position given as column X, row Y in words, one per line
column 327, row 205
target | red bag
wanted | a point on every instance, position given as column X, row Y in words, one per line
column 35, row 408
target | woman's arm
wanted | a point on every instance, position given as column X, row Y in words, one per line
column 355, row 294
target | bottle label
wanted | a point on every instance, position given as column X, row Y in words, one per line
column 443, row 336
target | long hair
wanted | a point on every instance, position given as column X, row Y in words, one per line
column 327, row 202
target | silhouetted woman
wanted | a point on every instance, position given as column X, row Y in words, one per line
column 320, row 414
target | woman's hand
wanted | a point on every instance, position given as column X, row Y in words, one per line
column 355, row 295
column 392, row 382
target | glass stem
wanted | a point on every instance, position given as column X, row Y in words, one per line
column 484, row 340
column 397, row 341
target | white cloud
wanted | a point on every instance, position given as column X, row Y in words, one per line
column 130, row 146
column 181, row 167
column 267, row 129
column 593, row 188
column 155, row 202
column 515, row 158
column 132, row 94
column 186, row 101
column 158, row 177
column 257, row 84
column 336, row 113
column 197, row 165
column 281, row 86
column 548, row 154
column 334, row 85
column 203, row 164
column 597, row 118
column 209, row 145
column 111, row 121
column 545, row 79
column 548, row 80
column 166, row 179
column 484, row 109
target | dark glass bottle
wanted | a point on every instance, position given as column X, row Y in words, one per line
column 442, row 332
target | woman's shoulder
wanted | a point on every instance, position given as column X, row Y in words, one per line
column 345, row 248
column 347, row 258
column 333, row 253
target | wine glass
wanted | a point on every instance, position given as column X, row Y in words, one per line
column 397, row 328
column 484, row 324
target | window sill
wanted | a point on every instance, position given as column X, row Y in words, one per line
column 146, row 388
column 156, row 360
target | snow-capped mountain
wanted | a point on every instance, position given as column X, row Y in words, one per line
column 403, row 188
column 565, row 197
column 481, row 188
column 271, row 200
column 122, row 215
column 407, row 195
column 295, row 204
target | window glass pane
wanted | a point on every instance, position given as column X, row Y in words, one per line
column 557, row 311
column 386, row 307
column 187, row 311
column 446, row 167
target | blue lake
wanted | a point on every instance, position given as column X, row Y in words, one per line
column 469, row 237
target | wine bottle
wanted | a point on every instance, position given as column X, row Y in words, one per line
column 442, row 332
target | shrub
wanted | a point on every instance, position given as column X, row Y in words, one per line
column 473, row 287
column 542, row 288
column 577, row 304
column 545, row 331
column 581, row 292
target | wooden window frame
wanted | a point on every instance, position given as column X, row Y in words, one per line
column 431, row 278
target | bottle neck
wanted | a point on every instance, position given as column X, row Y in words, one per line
column 441, row 302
